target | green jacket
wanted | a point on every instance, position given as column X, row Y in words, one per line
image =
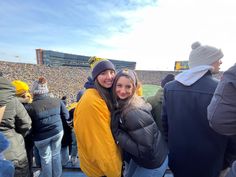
column 7, row 91
column 15, row 124
column 156, row 102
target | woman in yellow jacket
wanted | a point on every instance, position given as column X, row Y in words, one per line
column 99, row 155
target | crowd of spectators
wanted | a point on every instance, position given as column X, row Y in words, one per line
column 67, row 81
column 62, row 81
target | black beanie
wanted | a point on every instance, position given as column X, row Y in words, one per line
column 168, row 78
column 101, row 66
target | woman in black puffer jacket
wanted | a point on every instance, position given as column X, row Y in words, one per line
column 135, row 130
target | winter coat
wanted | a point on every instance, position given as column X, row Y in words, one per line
column 7, row 91
column 222, row 109
column 139, row 135
column 156, row 102
column 224, row 103
column 98, row 152
column 195, row 149
column 46, row 113
column 15, row 124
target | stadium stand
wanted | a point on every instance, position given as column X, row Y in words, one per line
column 53, row 58
column 64, row 80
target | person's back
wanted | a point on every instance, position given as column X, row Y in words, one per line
column 157, row 99
column 195, row 149
column 156, row 103
column 7, row 92
column 15, row 125
column 190, row 139
column 23, row 95
column 47, row 128
column 45, row 114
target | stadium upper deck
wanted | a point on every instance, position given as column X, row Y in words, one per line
column 52, row 58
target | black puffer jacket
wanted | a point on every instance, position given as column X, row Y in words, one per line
column 139, row 136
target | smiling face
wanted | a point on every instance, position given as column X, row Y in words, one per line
column 106, row 78
column 124, row 88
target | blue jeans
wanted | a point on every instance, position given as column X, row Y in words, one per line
column 36, row 157
column 50, row 155
column 74, row 150
column 65, row 155
column 7, row 168
column 134, row 170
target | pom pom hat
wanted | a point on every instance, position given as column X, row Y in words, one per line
column 99, row 65
column 40, row 86
column 203, row 55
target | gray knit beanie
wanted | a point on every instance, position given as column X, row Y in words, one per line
column 203, row 55
column 39, row 86
column 129, row 73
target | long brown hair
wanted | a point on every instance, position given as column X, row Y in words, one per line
column 106, row 94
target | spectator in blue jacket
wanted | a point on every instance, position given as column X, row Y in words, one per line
column 195, row 149
column 47, row 128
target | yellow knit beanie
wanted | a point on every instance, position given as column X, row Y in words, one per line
column 21, row 87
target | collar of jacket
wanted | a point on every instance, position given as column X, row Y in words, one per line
column 40, row 97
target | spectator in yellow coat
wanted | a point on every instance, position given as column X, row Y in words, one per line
column 99, row 155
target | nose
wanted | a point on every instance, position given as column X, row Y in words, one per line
column 220, row 62
column 122, row 90
column 110, row 75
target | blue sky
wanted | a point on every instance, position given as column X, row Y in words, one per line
column 154, row 33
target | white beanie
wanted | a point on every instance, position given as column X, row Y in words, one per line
column 203, row 55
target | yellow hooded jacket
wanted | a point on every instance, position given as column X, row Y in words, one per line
column 98, row 153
